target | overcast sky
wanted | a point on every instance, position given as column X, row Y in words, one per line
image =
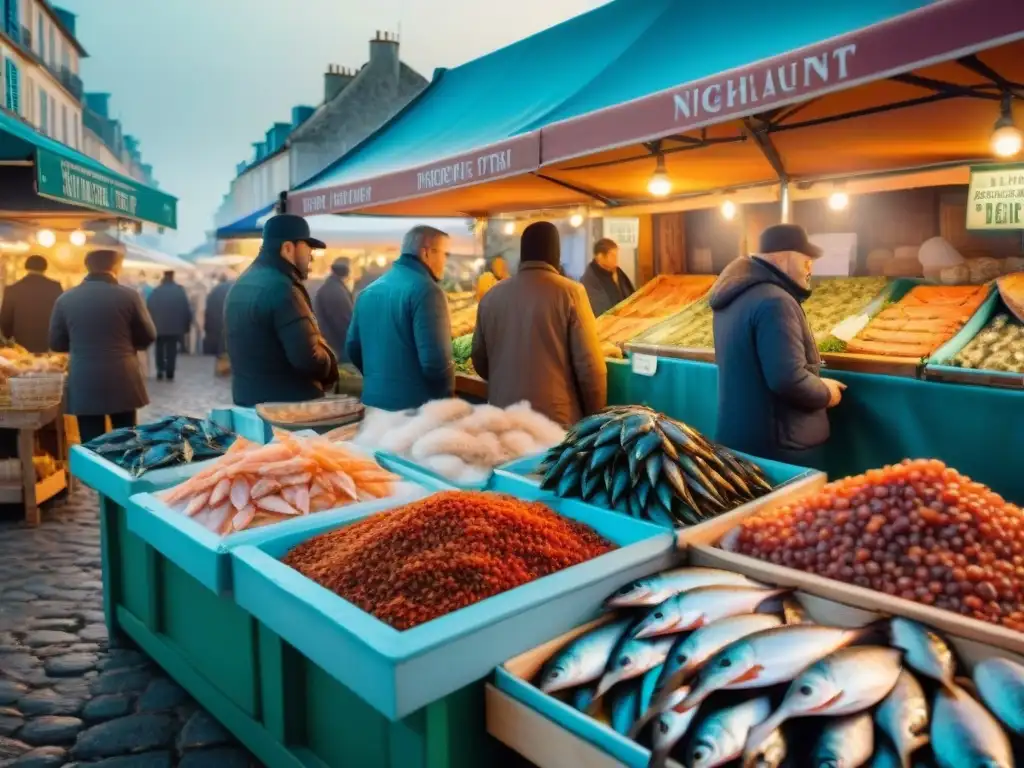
column 197, row 81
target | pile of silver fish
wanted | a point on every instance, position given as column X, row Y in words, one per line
column 644, row 464
column 165, row 443
column 707, row 668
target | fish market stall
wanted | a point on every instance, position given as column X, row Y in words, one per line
column 659, row 299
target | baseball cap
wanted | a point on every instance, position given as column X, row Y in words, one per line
column 289, row 228
column 788, row 237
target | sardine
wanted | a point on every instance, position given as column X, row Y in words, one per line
column 581, row 697
column 624, row 707
column 1000, row 684
column 669, row 727
column 633, row 658
column 700, row 607
column 656, row 589
column 769, row 657
column 903, row 717
column 584, row 659
column 844, row 683
column 965, row 734
column 647, row 687
column 924, row 651
column 720, row 737
column 845, row 742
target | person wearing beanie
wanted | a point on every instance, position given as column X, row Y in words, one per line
column 103, row 325
column 536, row 336
column 333, row 307
column 605, row 282
column 28, row 306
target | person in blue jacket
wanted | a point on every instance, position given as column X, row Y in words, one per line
column 400, row 335
column 772, row 400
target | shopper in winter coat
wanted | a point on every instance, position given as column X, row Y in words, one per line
column 28, row 306
column 172, row 315
column 536, row 337
column 400, row 337
column 103, row 325
column 213, row 321
column 606, row 284
column 333, row 306
column 771, row 399
column 277, row 352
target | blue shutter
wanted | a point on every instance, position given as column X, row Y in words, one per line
column 13, row 86
column 12, row 20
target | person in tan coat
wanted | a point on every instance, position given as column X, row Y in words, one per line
column 536, row 337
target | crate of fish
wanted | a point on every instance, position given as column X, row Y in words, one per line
column 637, row 462
column 700, row 666
column 254, row 491
column 988, row 351
column 148, row 457
column 406, row 606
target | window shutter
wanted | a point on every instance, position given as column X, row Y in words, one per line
column 12, row 20
column 13, row 89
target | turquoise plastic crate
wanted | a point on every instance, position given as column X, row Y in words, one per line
column 243, row 421
column 939, row 369
column 398, row 673
column 411, row 470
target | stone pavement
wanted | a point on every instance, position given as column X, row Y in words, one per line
column 65, row 698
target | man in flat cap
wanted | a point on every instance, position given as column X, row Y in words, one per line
column 28, row 306
column 276, row 349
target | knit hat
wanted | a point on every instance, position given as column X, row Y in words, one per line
column 540, row 242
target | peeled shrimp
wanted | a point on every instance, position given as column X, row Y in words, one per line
column 240, row 493
column 276, row 504
column 220, row 491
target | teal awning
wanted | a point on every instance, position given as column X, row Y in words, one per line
column 68, row 176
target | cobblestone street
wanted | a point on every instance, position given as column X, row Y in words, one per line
column 65, row 698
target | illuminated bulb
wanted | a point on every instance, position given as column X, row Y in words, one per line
column 576, row 220
column 317, row 252
column 509, row 228
column 729, row 210
column 78, row 238
column 1007, row 141
column 381, row 261
column 659, row 185
column 838, row 201
column 46, row 238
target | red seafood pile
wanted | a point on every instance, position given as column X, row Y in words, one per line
column 440, row 554
column 917, row 530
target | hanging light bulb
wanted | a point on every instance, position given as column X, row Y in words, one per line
column 509, row 228
column 1007, row 139
column 659, row 185
column 838, row 201
column 576, row 220
column 728, row 210
column 381, row 261
column 46, row 238
column 78, row 237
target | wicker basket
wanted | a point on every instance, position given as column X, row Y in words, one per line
column 37, row 392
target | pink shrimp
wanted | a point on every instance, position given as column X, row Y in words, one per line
column 264, row 487
column 240, row 492
column 220, row 491
column 198, row 503
column 244, row 517
column 276, row 504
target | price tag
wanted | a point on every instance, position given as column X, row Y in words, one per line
column 644, row 365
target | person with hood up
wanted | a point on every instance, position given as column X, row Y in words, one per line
column 772, row 400
column 606, row 284
column 333, row 306
column 213, row 320
column 496, row 271
column 400, row 337
column 103, row 325
column 28, row 306
column 536, row 337
column 275, row 347
column 172, row 314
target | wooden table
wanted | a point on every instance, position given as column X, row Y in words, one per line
column 27, row 490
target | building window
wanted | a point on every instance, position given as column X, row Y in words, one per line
column 41, row 35
column 44, row 112
column 11, row 93
column 12, row 19
column 53, row 46
column 74, row 121
column 65, row 133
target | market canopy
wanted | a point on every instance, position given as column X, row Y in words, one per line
column 247, row 226
column 799, row 91
column 72, row 179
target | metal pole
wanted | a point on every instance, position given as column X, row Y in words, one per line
column 784, row 201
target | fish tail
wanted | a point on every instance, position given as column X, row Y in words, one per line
column 879, row 630
column 759, row 735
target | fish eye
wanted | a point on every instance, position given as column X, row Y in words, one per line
column 806, row 690
column 663, row 726
column 725, row 663
column 681, row 658
column 659, row 615
column 625, row 661
column 626, row 589
column 555, row 673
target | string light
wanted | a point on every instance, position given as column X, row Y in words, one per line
column 838, row 201
column 1007, row 139
column 660, row 185
column 46, row 238
column 78, row 237
column 576, row 220
column 729, row 210
column 509, row 228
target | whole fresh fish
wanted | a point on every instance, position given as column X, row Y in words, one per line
column 633, row 658
column 720, row 737
column 669, row 727
column 655, row 589
column 582, row 697
column 689, row 652
column 924, row 651
column 1000, row 684
column 903, row 717
column 769, row 657
column 584, row 659
column 647, row 687
column 845, row 742
column 700, row 607
column 844, row 683
column 965, row 734
column 624, row 707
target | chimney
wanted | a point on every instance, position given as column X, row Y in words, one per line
column 336, row 78
column 384, row 54
column 301, row 114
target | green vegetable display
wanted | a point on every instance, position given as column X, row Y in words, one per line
column 999, row 347
column 462, row 350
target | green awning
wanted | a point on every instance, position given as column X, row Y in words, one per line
column 68, row 176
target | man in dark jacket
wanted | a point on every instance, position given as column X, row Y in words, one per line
column 28, row 306
column 213, row 322
column 771, row 399
column 104, row 326
column 172, row 315
column 400, row 337
column 606, row 284
column 333, row 308
column 536, row 338
column 277, row 352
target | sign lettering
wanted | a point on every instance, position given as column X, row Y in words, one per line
column 334, row 199
column 465, row 171
column 996, row 198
